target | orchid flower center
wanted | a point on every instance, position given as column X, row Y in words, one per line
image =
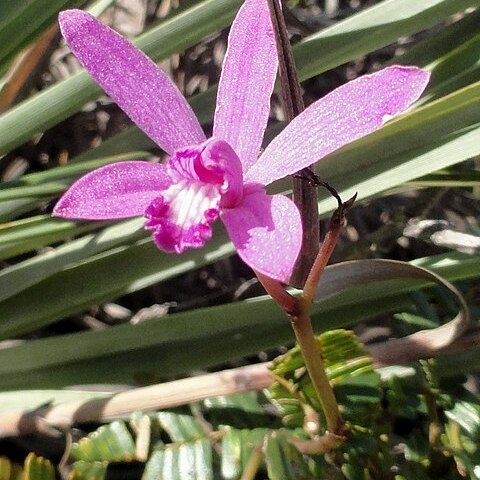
column 205, row 179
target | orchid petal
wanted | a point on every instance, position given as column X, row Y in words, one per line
column 246, row 83
column 266, row 231
column 141, row 89
column 119, row 190
column 348, row 113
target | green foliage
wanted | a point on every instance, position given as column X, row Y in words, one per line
column 34, row 468
column 439, row 432
column 230, row 410
column 8, row 470
column 238, row 448
column 82, row 470
column 22, row 22
column 349, row 368
column 182, row 446
column 111, row 442
column 187, row 340
column 283, row 460
column 435, row 425
column 38, row 468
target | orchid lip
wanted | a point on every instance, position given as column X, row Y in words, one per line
column 204, row 178
column 181, row 218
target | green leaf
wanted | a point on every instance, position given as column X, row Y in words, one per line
column 34, row 232
column 5, row 468
column 370, row 30
column 344, row 355
column 14, row 208
column 417, row 448
column 284, row 461
column 240, row 411
column 432, row 50
column 237, row 448
column 461, row 444
column 180, row 428
column 78, row 286
column 349, row 369
column 38, row 468
column 110, row 443
column 82, row 470
column 467, row 414
column 21, row 22
column 190, row 454
column 192, row 461
column 18, row 277
column 196, row 339
column 56, row 180
column 65, row 98
column 404, row 400
column 447, row 179
column 455, row 70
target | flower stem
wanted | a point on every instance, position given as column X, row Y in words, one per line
column 311, row 262
column 304, row 192
column 302, row 326
column 302, row 323
column 299, row 311
column 337, row 222
column 288, row 303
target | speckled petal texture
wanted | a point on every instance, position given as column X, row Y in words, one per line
column 133, row 81
column 348, row 113
column 267, row 233
column 119, row 190
column 246, row 84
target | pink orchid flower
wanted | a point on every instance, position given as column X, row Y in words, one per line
column 222, row 176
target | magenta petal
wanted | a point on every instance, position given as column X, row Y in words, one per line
column 119, row 190
column 346, row 114
column 133, row 81
column 267, row 233
column 246, row 84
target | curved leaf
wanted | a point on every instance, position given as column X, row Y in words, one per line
column 359, row 273
column 194, row 339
